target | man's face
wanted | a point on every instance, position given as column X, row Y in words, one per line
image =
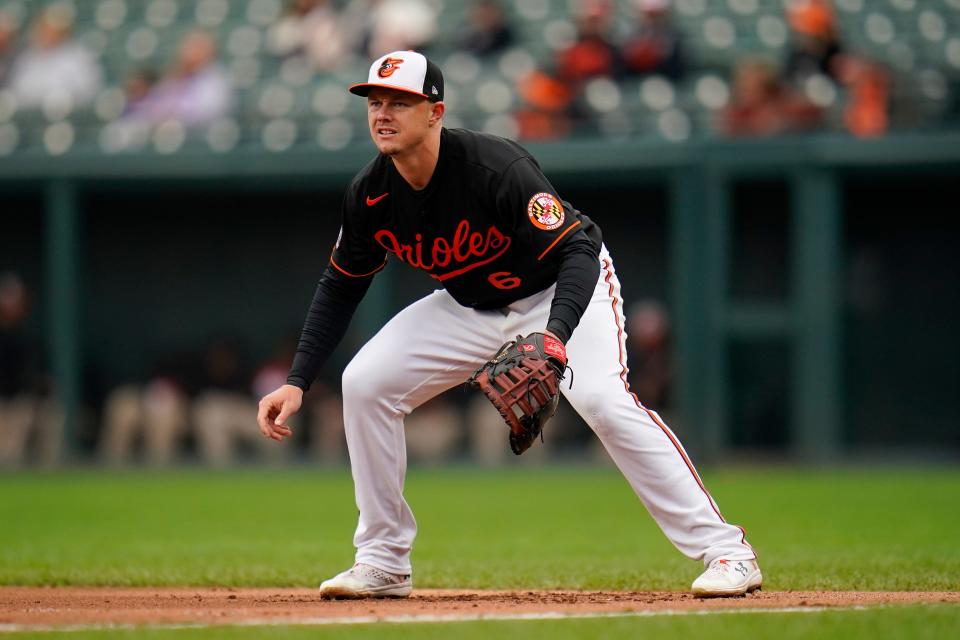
column 50, row 32
column 398, row 121
column 196, row 52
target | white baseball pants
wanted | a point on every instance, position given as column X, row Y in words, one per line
column 441, row 343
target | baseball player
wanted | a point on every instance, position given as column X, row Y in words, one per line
column 477, row 214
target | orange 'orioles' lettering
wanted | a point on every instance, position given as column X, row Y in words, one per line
column 464, row 246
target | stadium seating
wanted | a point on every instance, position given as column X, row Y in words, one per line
column 282, row 103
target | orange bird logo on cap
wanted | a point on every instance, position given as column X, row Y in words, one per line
column 389, row 66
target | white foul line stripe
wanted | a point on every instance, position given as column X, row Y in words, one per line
column 425, row 618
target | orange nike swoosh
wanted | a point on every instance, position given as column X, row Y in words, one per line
column 373, row 201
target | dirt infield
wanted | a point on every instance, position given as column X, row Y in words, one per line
column 55, row 606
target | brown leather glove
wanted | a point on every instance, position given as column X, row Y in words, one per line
column 523, row 382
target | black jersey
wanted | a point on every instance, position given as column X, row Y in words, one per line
column 486, row 227
column 489, row 227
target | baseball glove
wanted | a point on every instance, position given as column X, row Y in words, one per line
column 523, row 382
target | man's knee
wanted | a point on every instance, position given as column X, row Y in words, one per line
column 594, row 407
column 365, row 379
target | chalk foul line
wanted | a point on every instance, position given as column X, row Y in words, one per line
column 425, row 619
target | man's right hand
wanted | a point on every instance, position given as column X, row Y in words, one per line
column 274, row 410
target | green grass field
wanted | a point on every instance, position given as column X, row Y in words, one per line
column 878, row 529
column 530, row 527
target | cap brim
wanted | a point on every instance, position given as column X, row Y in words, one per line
column 363, row 89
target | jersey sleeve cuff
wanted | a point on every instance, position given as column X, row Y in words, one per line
column 559, row 328
column 298, row 381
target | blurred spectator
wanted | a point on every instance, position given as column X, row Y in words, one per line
column 136, row 89
column 224, row 412
column 816, row 49
column 433, row 431
column 156, row 413
column 487, row 30
column 8, row 33
column 593, row 54
column 545, row 113
column 25, row 410
column 272, row 373
column 314, row 28
column 656, row 46
column 762, row 104
column 196, row 91
column 649, row 353
column 549, row 96
column 54, row 67
column 815, row 42
column 394, row 25
column 140, row 113
column 328, row 441
column 868, row 93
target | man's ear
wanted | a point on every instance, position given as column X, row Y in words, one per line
column 437, row 109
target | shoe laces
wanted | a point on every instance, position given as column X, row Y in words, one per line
column 722, row 565
column 380, row 575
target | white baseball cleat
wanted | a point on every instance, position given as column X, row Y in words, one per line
column 728, row 578
column 366, row 581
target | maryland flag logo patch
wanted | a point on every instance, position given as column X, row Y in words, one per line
column 388, row 66
column 545, row 211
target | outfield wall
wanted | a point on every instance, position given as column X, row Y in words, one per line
column 811, row 281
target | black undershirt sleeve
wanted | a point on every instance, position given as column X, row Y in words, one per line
column 576, row 280
column 334, row 302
